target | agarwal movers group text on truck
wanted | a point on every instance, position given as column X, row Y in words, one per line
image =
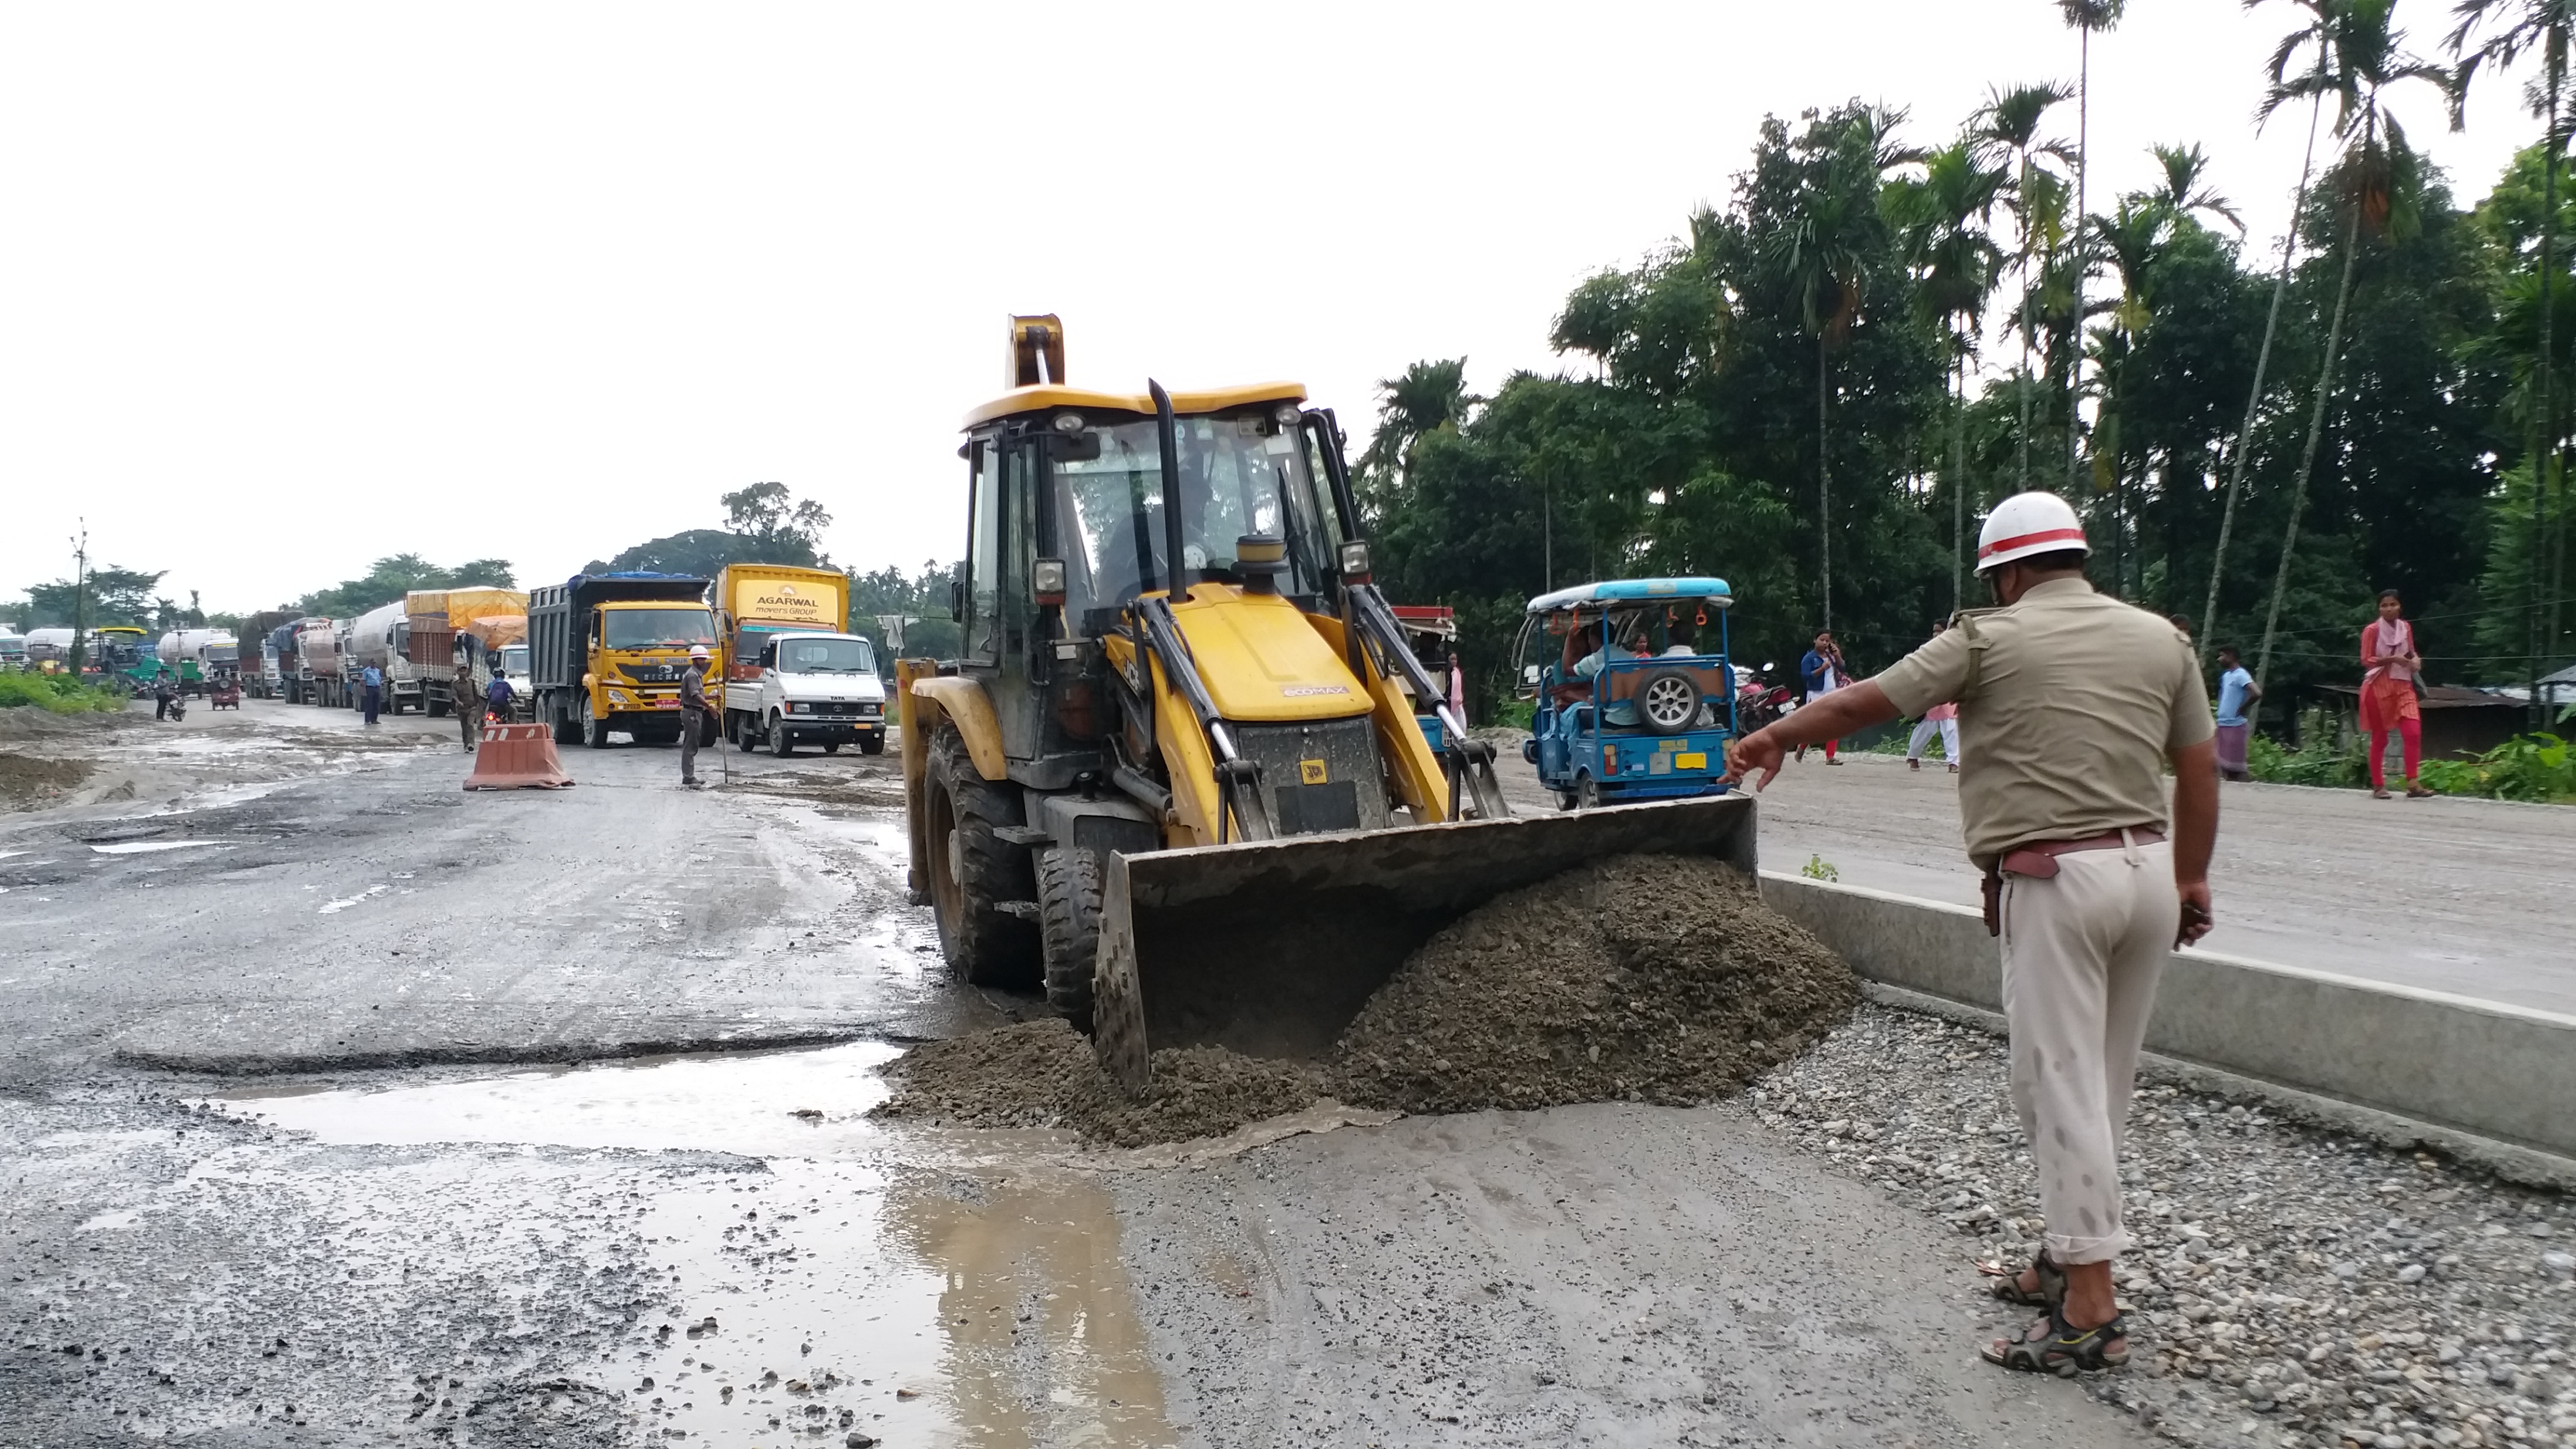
column 606, row 652
column 792, row 673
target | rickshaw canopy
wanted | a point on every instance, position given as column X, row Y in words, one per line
column 1613, row 592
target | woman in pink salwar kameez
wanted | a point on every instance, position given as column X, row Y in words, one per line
column 2391, row 664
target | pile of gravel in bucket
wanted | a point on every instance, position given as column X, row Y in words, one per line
column 1643, row 978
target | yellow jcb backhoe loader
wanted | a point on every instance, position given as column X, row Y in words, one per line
column 1174, row 772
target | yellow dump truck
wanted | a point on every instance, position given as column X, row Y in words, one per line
column 606, row 652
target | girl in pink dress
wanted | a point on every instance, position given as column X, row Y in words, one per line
column 2390, row 667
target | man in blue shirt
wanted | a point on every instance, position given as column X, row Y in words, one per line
column 2236, row 690
column 374, row 680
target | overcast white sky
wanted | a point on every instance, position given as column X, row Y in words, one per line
column 285, row 288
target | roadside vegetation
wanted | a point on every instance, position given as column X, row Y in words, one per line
column 2538, row 767
column 58, row 693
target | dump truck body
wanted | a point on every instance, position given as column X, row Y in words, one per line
column 606, row 652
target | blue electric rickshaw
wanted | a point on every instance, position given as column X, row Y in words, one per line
column 1636, row 700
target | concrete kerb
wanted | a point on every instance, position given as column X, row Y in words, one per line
column 2488, row 1083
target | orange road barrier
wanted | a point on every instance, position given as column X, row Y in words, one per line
column 517, row 757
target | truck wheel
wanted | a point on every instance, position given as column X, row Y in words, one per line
column 779, row 743
column 973, row 871
column 1069, row 929
column 592, row 726
column 1668, row 701
column 831, row 747
column 437, row 707
column 567, row 730
column 872, row 745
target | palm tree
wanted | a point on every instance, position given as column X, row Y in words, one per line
column 2085, row 17
column 1945, row 217
column 2315, row 34
column 2510, row 28
column 2182, row 194
column 2132, row 239
column 2366, row 56
column 2008, row 126
column 1428, row 397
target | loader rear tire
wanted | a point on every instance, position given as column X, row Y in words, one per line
column 1069, row 929
column 973, row 871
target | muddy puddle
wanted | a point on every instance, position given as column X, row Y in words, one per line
column 848, row 1277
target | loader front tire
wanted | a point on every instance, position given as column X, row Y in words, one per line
column 1069, row 929
column 973, row 872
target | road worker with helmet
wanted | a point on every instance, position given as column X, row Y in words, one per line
column 695, row 712
column 2071, row 704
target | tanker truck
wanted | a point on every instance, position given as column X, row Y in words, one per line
column 606, row 652
column 317, row 663
column 200, row 657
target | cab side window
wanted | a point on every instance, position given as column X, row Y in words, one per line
column 983, row 555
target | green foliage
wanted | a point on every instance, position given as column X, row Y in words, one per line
column 699, row 552
column 388, row 579
column 784, row 529
column 58, row 693
column 116, row 596
column 921, row 598
column 1819, row 868
column 2535, row 767
column 2324, row 762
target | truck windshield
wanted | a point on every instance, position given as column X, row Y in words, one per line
column 514, row 659
column 652, row 628
column 826, row 656
column 1239, row 475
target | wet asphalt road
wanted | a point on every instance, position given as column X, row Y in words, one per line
column 355, row 1109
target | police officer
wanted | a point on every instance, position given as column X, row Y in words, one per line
column 469, row 704
column 693, row 703
column 2070, row 703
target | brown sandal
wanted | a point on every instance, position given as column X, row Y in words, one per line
column 2007, row 1284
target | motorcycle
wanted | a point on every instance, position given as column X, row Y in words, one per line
column 178, row 708
column 1758, row 702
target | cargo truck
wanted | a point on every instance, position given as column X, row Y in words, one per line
column 317, row 663
column 824, row 690
column 498, row 644
column 437, row 619
column 262, row 652
column 606, row 652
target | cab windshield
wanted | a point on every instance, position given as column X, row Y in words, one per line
column 826, row 656
column 1238, row 475
column 659, row 628
column 514, row 659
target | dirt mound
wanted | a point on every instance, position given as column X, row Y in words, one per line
column 27, row 722
column 27, row 782
column 1652, row 978
column 1649, row 978
column 1042, row 1074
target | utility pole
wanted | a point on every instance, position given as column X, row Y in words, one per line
column 80, row 597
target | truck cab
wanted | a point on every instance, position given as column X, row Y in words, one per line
column 810, row 687
column 608, row 650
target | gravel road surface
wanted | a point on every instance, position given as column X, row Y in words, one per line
column 2464, row 896
column 340, row 1106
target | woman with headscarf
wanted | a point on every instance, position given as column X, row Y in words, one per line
column 2390, row 665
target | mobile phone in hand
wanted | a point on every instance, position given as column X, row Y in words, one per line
column 2194, row 915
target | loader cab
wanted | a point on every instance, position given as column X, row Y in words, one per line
column 1068, row 522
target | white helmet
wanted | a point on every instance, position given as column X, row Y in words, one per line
column 699, row 651
column 2026, row 524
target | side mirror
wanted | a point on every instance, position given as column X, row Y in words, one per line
column 957, row 600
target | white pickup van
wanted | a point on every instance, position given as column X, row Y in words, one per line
column 813, row 688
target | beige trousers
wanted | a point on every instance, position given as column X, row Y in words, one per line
column 2082, row 951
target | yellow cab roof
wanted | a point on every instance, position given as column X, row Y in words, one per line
column 1044, row 396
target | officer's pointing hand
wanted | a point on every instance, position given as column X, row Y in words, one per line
column 1756, row 751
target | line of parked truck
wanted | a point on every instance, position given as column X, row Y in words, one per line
column 594, row 656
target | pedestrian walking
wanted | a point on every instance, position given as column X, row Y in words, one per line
column 2390, row 667
column 1941, row 719
column 373, row 681
column 468, row 705
column 693, row 706
column 1820, row 672
column 2077, row 702
column 2236, row 691
column 161, row 693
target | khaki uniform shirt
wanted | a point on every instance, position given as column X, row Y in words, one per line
column 2066, row 714
column 467, row 696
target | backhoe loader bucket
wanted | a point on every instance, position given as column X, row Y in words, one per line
column 1272, row 948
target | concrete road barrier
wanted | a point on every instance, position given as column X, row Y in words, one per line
column 2448, row 1063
